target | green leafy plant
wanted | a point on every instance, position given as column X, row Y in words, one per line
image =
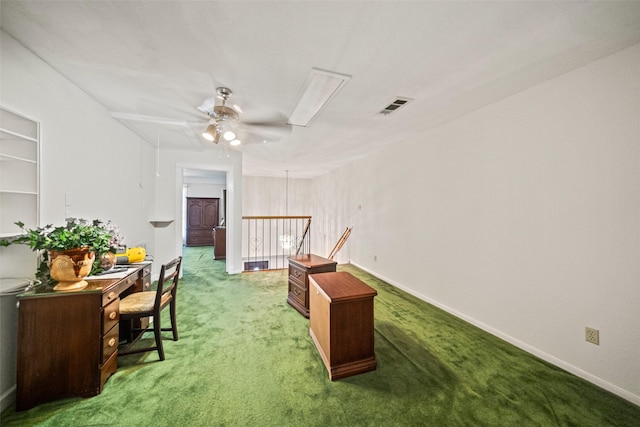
column 76, row 233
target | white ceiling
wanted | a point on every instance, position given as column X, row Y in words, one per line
column 163, row 59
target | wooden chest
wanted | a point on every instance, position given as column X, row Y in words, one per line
column 300, row 267
column 341, row 323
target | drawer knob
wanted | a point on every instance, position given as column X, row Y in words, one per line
column 112, row 315
column 296, row 291
column 297, row 273
column 112, row 342
column 111, row 295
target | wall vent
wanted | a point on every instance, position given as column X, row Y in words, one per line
column 395, row 105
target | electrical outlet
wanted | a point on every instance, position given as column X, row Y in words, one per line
column 592, row 335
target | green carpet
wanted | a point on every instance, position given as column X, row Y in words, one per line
column 245, row 358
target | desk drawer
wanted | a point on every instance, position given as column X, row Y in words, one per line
column 298, row 293
column 109, row 343
column 298, row 275
column 110, row 315
column 115, row 292
column 147, row 270
column 146, row 282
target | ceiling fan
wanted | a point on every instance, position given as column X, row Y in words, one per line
column 220, row 118
column 225, row 125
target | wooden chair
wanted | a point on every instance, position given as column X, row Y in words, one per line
column 151, row 303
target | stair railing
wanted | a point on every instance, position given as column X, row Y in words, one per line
column 268, row 241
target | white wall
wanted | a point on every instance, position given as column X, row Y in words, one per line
column 522, row 217
column 91, row 166
column 268, row 196
column 205, row 190
column 108, row 173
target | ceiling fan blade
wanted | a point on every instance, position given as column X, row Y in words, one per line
column 262, row 133
column 147, row 119
column 271, row 128
column 207, row 105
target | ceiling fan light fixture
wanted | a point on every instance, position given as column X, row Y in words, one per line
column 210, row 133
column 229, row 135
column 321, row 86
column 235, row 142
column 225, row 113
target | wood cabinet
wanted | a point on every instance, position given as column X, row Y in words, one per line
column 202, row 216
column 68, row 341
column 341, row 323
column 300, row 267
column 219, row 243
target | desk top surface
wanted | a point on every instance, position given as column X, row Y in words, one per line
column 342, row 286
column 310, row 260
column 95, row 284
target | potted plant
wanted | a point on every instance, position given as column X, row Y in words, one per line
column 69, row 252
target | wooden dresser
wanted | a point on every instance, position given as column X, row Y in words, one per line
column 300, row 267
column 68, row 341
column 341, row 323
column 219, row 243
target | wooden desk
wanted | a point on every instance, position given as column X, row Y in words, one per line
column 341, row 323
column 300, row 267
column 68, row 341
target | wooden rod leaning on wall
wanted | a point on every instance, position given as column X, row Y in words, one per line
column 304, row 236
column 341, row 241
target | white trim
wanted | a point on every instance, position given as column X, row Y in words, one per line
column 7, row 398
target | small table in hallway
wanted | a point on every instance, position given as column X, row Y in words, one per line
column 300, row 267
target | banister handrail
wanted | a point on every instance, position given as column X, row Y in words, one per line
column 276, row 217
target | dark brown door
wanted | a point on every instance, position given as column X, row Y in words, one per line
column 202, row 216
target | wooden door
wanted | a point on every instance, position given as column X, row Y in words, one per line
column 202, row 217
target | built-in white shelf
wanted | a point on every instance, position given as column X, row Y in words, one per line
column 20, row 172
column 8, row 158
column 160, row 223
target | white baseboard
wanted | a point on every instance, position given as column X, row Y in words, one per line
column 635, row 399
column 7, row 398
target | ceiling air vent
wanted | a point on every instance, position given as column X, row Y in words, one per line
column 395, row 105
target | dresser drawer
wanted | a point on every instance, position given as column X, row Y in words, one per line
column 298, row 293
column 297, row 274
column 109, row 343
column 110, row 315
